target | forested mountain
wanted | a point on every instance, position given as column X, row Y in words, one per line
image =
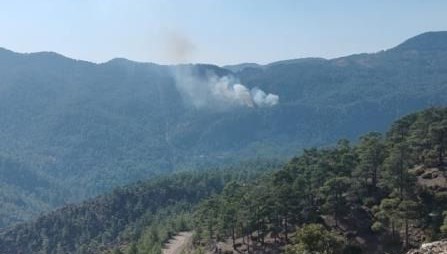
column 383, row 195
column 127, row 214
column 77, row 129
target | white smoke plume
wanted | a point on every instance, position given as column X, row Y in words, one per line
column 262, row 99
column 213, row 92
column 208, row 90
column 178, row 47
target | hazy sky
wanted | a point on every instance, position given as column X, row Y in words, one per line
column 214, row 31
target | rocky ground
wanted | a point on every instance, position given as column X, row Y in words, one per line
column 439, row 247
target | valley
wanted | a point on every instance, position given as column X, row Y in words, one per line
column 312, row 155
column 385, row 193
column 81, row 129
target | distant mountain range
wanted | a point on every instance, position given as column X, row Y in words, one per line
column 73, row 129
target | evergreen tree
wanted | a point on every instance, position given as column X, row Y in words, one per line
column 371, row 152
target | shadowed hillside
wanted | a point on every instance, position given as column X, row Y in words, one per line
column 84, row 128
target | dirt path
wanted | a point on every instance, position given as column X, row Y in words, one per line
column 178, row 243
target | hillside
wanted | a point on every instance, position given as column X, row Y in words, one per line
column 126, row 214
column 385, row 194
column 83, row 128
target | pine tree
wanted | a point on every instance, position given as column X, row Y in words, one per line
column 371, row 151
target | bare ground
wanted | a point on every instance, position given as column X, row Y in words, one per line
column 178, row 244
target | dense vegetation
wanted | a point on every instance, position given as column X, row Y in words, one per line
column 381, row 195
column 151, row 211
column 23, row 191
column 82, row 129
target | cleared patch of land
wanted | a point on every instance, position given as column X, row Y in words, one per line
column 178, row 243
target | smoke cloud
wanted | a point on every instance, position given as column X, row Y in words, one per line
column 203, row 88
column 220, row 93
column 177, row 46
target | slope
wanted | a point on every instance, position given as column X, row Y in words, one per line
column 126, row 214
column 87, row 128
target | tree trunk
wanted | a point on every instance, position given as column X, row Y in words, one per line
column 401, row 176
column 407, row 244
column 393, row 230
column 336, row 219
column 374, row 179
column 257, row 224
column 233, row 237
column 337, row 208
column 243, row 231
column 262, row 226
column 441, row 157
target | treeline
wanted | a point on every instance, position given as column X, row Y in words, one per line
column 127, row 216
column 385, row 193
column 24, row 193
column 377, row 190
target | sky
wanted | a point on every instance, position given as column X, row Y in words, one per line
column 214, row 31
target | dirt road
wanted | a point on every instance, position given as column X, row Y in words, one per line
column 178, row 243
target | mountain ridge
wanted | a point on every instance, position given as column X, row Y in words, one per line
column 91, row 127
column 433, row 40
column 427, row 41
